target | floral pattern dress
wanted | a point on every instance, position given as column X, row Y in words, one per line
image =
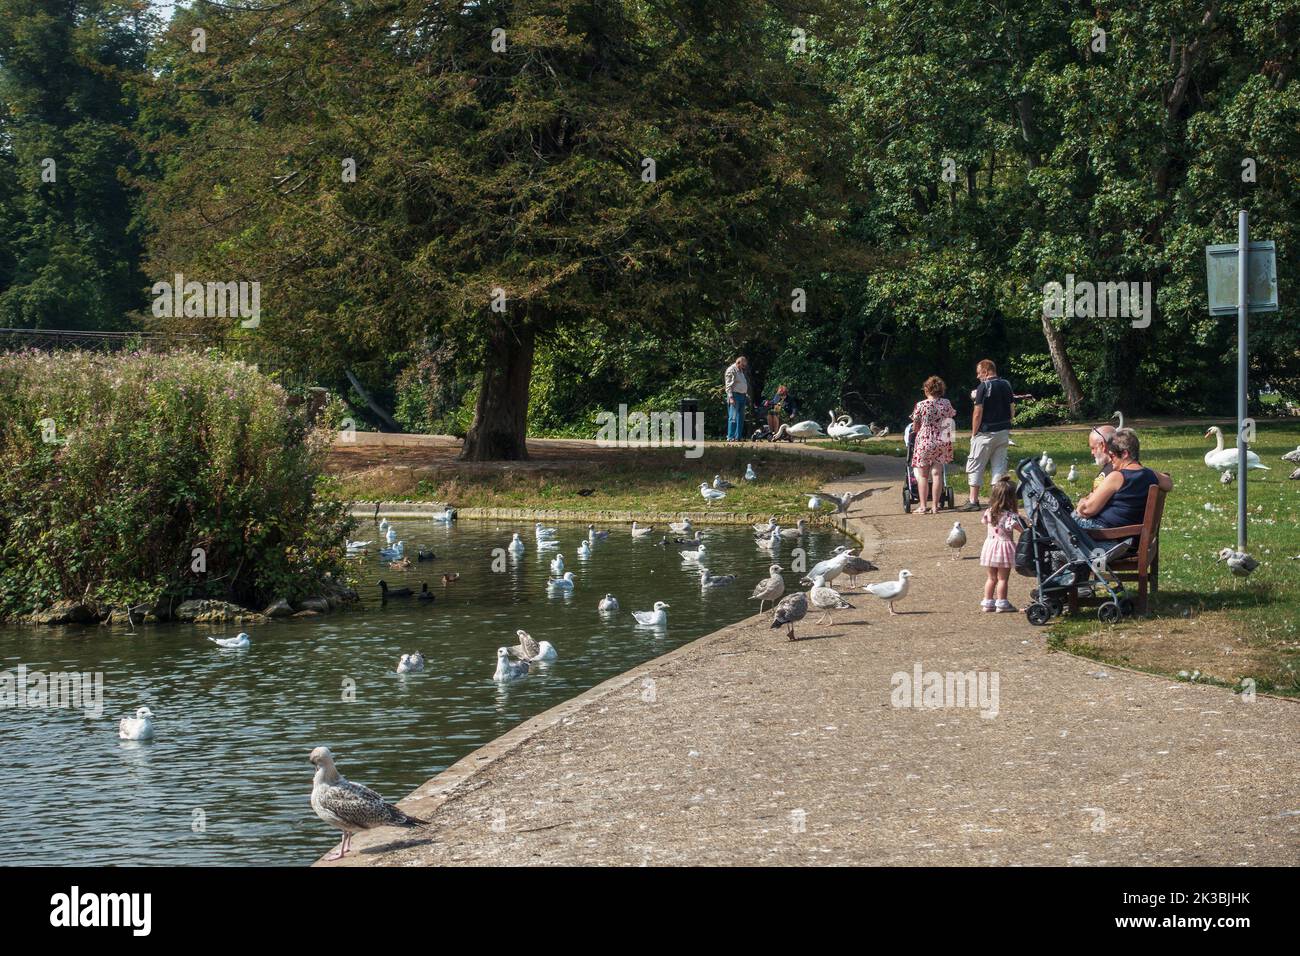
column 932, row 441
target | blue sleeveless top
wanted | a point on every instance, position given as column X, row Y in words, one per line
column 1129, row 504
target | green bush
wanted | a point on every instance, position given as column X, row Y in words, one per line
column 115, row 468
column 1042, row 411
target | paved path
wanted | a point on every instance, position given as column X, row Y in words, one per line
column 744, row 748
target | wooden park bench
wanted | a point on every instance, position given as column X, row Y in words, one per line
column 1143, row 564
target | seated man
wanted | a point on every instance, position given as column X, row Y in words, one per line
column 1120, row 498
column 1098, row 438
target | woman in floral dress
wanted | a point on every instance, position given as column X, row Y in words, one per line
column 932, row 431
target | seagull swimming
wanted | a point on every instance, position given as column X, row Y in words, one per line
column 595, row 535
column 543, row 532
column 656, row 618
column 508, row 670
column 391, row 534
column 710, row 494
column 708, row 580
column 800, row 529
column 891, row 591
column 410, row 663
column 532, row 650
column 639, row 531
column 696, row 555
column 770, row 588
column 680, row 527
column 584, row 549
column 557, row 566
column 240, row 640
column 608, row 604
column 765, row 528
column 139, row 727
column 516, row 545
column 791, row 609
column 349, row 806
column 561, row 584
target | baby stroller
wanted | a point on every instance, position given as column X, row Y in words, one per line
column 1060, row 555
column 911, row 492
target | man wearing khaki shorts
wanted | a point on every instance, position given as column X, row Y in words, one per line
column 990, row 429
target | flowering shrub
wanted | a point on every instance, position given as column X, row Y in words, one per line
column 142, row 476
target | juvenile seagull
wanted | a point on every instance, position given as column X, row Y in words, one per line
column 656, row 618
column 708, row 580
column 681, row 527
column 761, row 528
column 710, row 494
column 639, row 531
column 770, row 588
column 749, row 473
column 827, row 600
column 232, row 643
column 139, row 727
column 508, row 670
column 1239, row 562
column 891, row 591
column 855, row 565
column 768, row 533
column 349, row 806
column 410, row 663
column 956, row 539
column 608, row 604
column 721, row 484
column 798, row 531
column 595, row 535
column 791, row 610
column 1293, row 456
column 532, row 650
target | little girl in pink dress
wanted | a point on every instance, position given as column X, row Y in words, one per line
column 999, row 551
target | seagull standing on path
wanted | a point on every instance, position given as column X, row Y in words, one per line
column 956, row 540
column 770, row 588
column 349, row 806
column 855, row 565
column 891, row 591
column 237, row 642
column 827, row 600
column 792, row 609
column 831, row 568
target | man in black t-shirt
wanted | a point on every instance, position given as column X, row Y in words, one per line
column 990, row 429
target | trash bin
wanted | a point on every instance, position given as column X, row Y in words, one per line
column 688, row 409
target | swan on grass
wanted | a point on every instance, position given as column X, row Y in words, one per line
column 1221, row 458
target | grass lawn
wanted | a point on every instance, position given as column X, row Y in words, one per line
column 647, row 480
column 1205, row 623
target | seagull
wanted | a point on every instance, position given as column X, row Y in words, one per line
column 800, row 529
column 710, row 494
column 696, row 555
column 655, row 618
column 791, row 610
column 1293, row 456
column 639, row 531
column 531, row 650
column 855, row 565
column 1073, row 475
column 595, row 535
column 831, row 568
column 357, row 546
column 410, row 663
column 508, row 670
column 542, row 532
column 562, row 584
column 749, row 473
column 721, row 484
column 386, row 592
column 771, row 533
column 1227, row 477
column 391, row 534
column 349, row 806
column 1295, row 475
column 708, row 580
column 557, row 566
column 240, row 640
column 956, row 539
column 681, row 527
column 761, row 528
column 827, row 600
column 608, row 604
column 516, row 545
column 383, row 524
column 396, row 551
column 891, row 591
column 584, row 549
column 1239, row 562
column 446, row 516
column 1047, row 464
column 139, row 727
column 770, row 588
column 840, row 502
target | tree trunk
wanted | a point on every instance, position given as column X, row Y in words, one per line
column 1061, row 362
column 501, row 414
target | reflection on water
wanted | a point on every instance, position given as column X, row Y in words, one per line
column 226, row 779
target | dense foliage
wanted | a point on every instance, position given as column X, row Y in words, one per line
column 114, row 469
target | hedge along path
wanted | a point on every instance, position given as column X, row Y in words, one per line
column 743, row 748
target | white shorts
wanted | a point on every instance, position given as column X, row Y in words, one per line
column 987, row 449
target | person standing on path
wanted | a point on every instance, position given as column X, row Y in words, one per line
column 736, row 384
column 932, row 432
column 990, row 429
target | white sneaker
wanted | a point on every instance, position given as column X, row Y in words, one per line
column 987, row 604
column 1004, row 607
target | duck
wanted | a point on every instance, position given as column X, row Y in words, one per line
column 386, row 592
column 425, row 554
column 139, row 727
column 237, row 642
column 1221, row 458
column 608, row 604
column 656, row 618
column 401, row 564
column 451, row 577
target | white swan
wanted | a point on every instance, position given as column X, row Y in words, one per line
column 1224, row 458
column 801, row 430
column 139, row 727
column 844, row 429
column 656, row 618
column 240, row 640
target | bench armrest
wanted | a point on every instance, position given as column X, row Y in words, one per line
column 1109, row 534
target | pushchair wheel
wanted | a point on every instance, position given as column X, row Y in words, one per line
column 907, row 500
column 1109, row 613
column 1038, row 614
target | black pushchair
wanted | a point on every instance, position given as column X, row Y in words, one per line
column 1060, row 555
column 911, row 492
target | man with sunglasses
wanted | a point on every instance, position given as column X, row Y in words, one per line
column 1099, row 446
